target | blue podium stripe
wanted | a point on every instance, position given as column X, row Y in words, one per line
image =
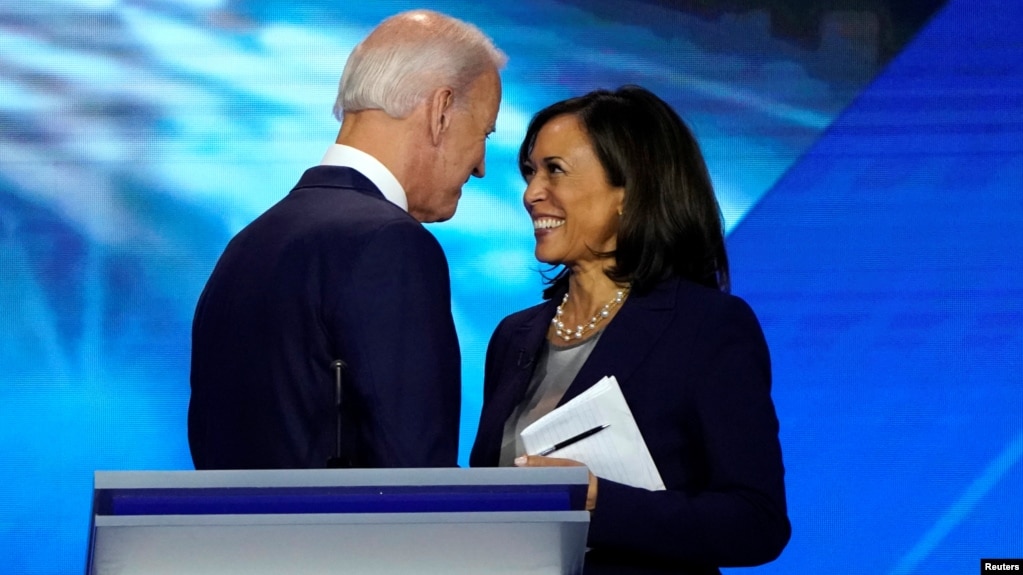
column 362, row 499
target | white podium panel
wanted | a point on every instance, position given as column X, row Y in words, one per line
column 381, row 522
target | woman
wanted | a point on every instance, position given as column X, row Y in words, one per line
column 620, row 198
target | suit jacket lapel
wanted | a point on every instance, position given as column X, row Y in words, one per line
column 627, row 339
column 516, row 370
column 529, row 338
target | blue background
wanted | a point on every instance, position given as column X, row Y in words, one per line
column 870, row 172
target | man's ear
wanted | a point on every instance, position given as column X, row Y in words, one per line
column 441, row 102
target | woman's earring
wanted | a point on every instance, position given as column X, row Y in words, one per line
column 619, row 210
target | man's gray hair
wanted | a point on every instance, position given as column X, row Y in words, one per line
column 410, row 55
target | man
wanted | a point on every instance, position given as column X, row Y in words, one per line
column 342, row 270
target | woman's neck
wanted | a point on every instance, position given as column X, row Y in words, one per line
column 589, row 291
column 592, row 299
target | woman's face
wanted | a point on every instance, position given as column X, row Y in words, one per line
column 574, row 210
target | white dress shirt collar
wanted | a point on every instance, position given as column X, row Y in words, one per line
column 367, row 165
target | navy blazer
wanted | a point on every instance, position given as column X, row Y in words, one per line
column 332, row 271
column 694, row 368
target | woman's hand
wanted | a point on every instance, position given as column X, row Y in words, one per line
column 541, row 461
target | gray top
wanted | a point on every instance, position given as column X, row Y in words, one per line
column 556, row 368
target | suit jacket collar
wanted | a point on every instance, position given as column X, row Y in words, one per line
column 367, row 165
column 338, row 177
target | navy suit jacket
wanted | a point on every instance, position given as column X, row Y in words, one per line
column 332, row 271
column 695, row 370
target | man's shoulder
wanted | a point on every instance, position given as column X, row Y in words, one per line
column 345, row 191
column 334, row 198
column 335, row 212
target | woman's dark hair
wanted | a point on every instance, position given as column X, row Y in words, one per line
column 671, row 221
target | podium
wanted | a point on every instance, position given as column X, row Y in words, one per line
column 351, row 521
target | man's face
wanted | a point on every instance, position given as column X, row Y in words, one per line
column 461, row 152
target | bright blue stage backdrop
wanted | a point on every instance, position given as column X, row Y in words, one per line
column 886, row 269
column 875, row 234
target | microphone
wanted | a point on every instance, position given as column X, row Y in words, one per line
column 337, row 461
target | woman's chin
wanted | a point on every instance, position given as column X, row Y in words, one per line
column 546, row 258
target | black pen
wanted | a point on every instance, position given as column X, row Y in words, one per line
column 573, row 439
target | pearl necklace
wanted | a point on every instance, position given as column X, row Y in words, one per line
column 583, row 329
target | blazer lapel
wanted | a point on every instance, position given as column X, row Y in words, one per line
column 528, row 338
column 515, row 372
column 627, row 339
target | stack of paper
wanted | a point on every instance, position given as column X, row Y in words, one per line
column 617, row 453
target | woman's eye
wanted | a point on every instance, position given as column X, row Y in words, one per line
column 527, row 171
column 554, row 168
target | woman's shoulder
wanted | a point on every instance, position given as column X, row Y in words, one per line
column 694, row 299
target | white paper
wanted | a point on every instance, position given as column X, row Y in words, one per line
column 617, row 453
